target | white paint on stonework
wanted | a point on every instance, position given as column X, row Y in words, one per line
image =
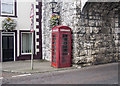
column 37, row 10
column 37, row 43
column 83, row 3
column 37, row 36
column 37, row 50
column 37, row 30
column 37, row 23
column 36, row 3
column 37, row 16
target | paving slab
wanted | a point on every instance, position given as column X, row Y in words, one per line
column 39, row 66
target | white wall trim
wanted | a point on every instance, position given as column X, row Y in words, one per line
column 18, row 47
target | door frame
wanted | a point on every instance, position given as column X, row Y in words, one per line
column 7, row 34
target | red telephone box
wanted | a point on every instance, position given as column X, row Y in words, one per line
column 61, row 46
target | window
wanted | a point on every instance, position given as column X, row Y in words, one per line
column 8, row 8
column 26, row 43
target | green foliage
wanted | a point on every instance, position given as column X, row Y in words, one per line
column 54, row 21
column 8, row 24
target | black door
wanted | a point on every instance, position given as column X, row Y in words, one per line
column 8, row 48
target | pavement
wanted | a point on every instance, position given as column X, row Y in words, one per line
column 98, row 74
column 39, row 66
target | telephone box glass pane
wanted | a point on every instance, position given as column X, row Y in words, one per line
column 54, row 53
column 64, row 46
column 54, row 42
column 54, row 57
column 64, row 42
column 54, row 35
column 65, row 53
column 65, row 50
column 65, row 39
column 63, row 61
column 54, row 61
column 54, row 50
column 65, row 35
column 54, row 46
column 63, row 57
column 54, row 39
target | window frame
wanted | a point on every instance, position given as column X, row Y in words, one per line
column 9, row 15
column 21, row 44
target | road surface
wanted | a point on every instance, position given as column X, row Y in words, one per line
column 99, row 74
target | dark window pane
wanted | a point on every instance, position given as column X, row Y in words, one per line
column 11, row 43
column 63, row 61
column 54, row 35
column 54, row 39
column 65, row 53
column 64, row 42
column 54, row 57
column 54, row 42
column 54, row 61
column 5, row 43
column 54, row 53
column 63, row 57
column 54, row 49
column 65, row 35
column 65, row 50
column 65, row 39
column 54, row 46
column 64, row 46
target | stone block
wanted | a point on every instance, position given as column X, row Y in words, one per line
column 96, row 30
column 83, row 52
column 79, row 60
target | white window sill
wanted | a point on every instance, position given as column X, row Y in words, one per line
column 26, row 53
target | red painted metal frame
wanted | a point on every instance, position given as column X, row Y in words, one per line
column 58, row 44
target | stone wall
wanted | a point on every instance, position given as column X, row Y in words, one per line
column 46, row 31
column 68, row 17
column 95, row 33
column 97, row 39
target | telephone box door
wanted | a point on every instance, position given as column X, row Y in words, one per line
column 65, row 49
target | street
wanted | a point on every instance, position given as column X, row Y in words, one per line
column 98, row 74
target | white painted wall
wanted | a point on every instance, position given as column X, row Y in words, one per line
column 23, row 15
column 83, row 3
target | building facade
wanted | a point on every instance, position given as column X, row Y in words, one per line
column 16, row 44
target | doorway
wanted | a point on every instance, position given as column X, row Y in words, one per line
column 7, row 47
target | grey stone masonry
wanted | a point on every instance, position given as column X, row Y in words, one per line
column 98, row 40
column 68, row 17
column 95, row 30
